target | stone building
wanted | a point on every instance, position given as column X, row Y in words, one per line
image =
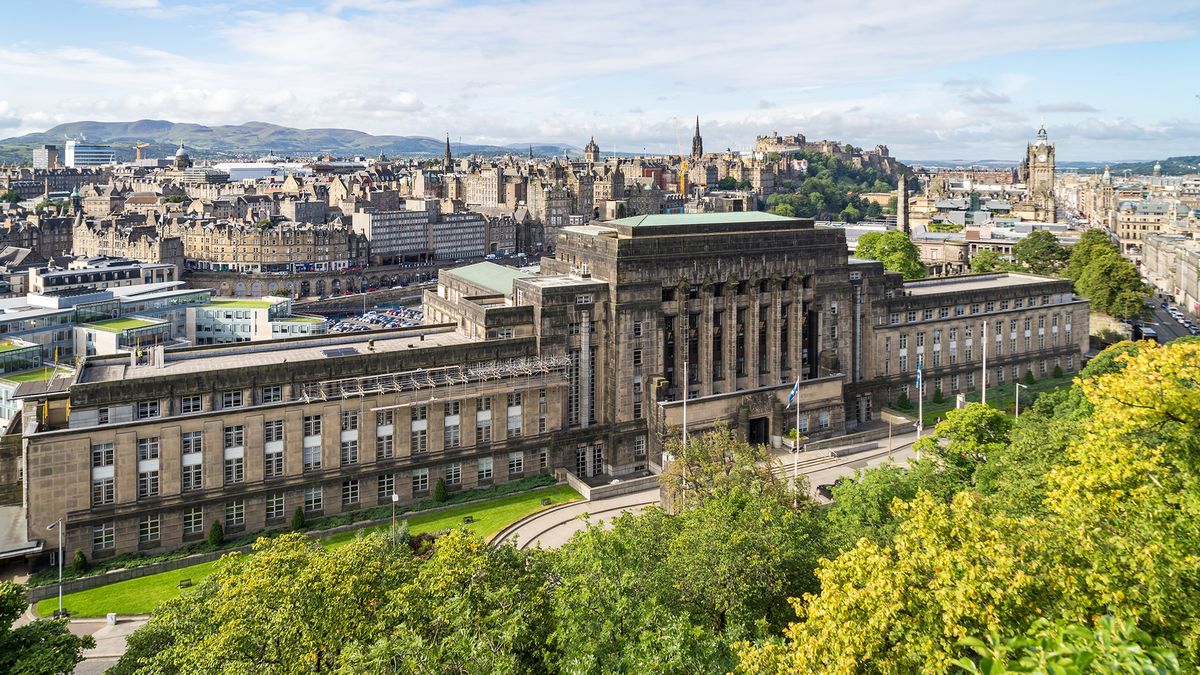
column 584, row 367
column 279, row 247
column 115, row 239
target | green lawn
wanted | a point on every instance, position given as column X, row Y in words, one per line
column 120, row 324
column 142, row 595
column 36, row 375
column 1001, row 397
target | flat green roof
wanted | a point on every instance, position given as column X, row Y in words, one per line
column 243, row 304
column 121, row 324
column 700, row 218
column 300, row 318
column 498, row 278
column 40, row 374
column 8, row 346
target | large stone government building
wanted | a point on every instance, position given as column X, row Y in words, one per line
column 581, row 367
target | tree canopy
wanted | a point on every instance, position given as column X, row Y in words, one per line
column 39, row 647
column 833, row 189
column 894, row 249
column 1039, row 252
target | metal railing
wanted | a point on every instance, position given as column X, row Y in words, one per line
column 431, row 378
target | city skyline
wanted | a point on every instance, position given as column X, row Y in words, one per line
column 938, row 81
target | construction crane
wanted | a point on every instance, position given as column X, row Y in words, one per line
column 682, row 160
column 137, row 147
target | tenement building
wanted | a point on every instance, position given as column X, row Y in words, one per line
column 583, row 367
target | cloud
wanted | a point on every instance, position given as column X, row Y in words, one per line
column 764, row 104
column 127, row 4
column 976, row 91
column 1066, row 107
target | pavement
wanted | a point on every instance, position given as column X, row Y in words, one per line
column 110, row 639
column 553, row 527
column 1165, row 325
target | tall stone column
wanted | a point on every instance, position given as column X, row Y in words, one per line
column 704, row 347
column 773, row 325
column 681, row 345
column 752, row 355
column 729, row 344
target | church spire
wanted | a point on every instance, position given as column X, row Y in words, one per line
column 697, row 143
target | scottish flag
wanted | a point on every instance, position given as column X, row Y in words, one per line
column 795, row 391
column 919, row 369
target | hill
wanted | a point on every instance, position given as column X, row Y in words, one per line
column 1171, row 166
column 248, row 140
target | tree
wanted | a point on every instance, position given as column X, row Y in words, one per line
column 715, row 463
column 1113, row 284
column 1113, row 646
column 727, row 183
column 298, row 519
column 966, row 438
column 1029, row 378
column 863, row 506
column 985, row 261
column 44, row 646
column 784, row 210
column 216, row 535
column 10, row 197
column 850, row 214
column 1092, row 243
column 1040, row 253
column 290, row 607
column 80, row 563
column 894, row 249
column 439, row 490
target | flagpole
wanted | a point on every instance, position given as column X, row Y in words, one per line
column 983, row 391
column 796, row 458
column 920, row 399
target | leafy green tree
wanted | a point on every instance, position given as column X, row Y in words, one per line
column 80, row 563
column 966, row 438
column 985, row 261
column 1113, row 646
column 784, row 210
column 44, row 646
column 1029, row 378
column 439, row 490
column 1114, row 285
column 1040, row 253
column 716, row 463
column 727, row 183
column 1092, row 243
column 894, row 249
column 863, row 506
column 10, row 197
column 850, row 214
column 216, row 535
column 298, row 519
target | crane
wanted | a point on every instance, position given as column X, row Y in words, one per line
column 682, row 161
column 137, row 147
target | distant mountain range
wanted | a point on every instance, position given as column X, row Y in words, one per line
column 250, row 140
column 1171, row 166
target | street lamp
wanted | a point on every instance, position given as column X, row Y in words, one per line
column 395, row 499
column 1018, row 402
column 58, row 524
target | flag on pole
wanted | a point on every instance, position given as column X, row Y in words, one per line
column 794, row 392
column 919, row 369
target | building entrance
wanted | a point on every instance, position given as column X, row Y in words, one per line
column 758, row 433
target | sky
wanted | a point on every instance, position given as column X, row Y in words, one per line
column 938, row 79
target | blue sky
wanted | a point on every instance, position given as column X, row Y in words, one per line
column 932, row 80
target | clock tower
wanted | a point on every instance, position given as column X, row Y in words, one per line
column 1039, row 176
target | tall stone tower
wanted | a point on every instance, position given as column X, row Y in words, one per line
column 447, row 170
column 902, row 206
column 591, row 152
column 697, row 143
column 1039, row 175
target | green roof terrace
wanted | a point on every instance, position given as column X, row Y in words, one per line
column 121, row 324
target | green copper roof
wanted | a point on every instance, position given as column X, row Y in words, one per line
column 498, row 278
column 700, row 219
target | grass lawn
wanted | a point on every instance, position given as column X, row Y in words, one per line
column 142, row 595
column 120, row 324
column 1002, row 397
column 36, row 375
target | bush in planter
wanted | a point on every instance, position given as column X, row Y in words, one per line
column 439, row 491
column 216, row 535
column 80, row 564
column 298, row 519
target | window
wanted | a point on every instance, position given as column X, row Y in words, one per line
column 274, row 505
column 543, row 458
column 911, row 316
column 147, row 448
column 147, row 484
column 148, row 529
column 903, row 341
column 975, row 308
column 231, row 399
column 419, row 440
column 193, row 520
column 312, row 458
column 349, row 452
column 637, row 329
column 823, row 420
column 894, row 318
column 420, row 480
column 102, row 455
column 312, row 499
column 193, row 477
column 943, row 312
column 235, row 470
column 103, row 490
column 927, row 314
column 191, row 404
column 920, row 339
column 383, row 418
column 234, row 436
column 990, row 307
column 350, row 492
column 386, row 484
column 147, row 409
column 235, row 514
column 959, row 310
column 312, row 425
column 102, row 416
column 514, row 415
column 483, row 426
column 349, row 420
column 450, row 436
column 420, row 412
column 104, row 537
column 637, row 358
column 384, row 447
column 584, row 299
column 804, row 423
column 639, row 446
column 485, row 468
column 516, row 462
column 454, row 474
column 273, row 394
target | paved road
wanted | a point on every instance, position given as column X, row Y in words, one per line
column 552, row 528
column 1165, row 325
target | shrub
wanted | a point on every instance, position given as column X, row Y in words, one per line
column 298, row 519
column 903, row 403
column 1058, row 372
column 80, row 564
column 216, row 535
column 938, row 396
column 1029, row 379
column 439, row 491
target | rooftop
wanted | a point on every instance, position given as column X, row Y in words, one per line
column 973, row 282
column 242, row 304
column 272, row 353
column 735, row 217
column 121, row 324
column 498, row 278
column 39, row 374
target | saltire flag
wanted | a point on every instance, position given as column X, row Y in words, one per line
column 795, row 392
column 919, row 369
